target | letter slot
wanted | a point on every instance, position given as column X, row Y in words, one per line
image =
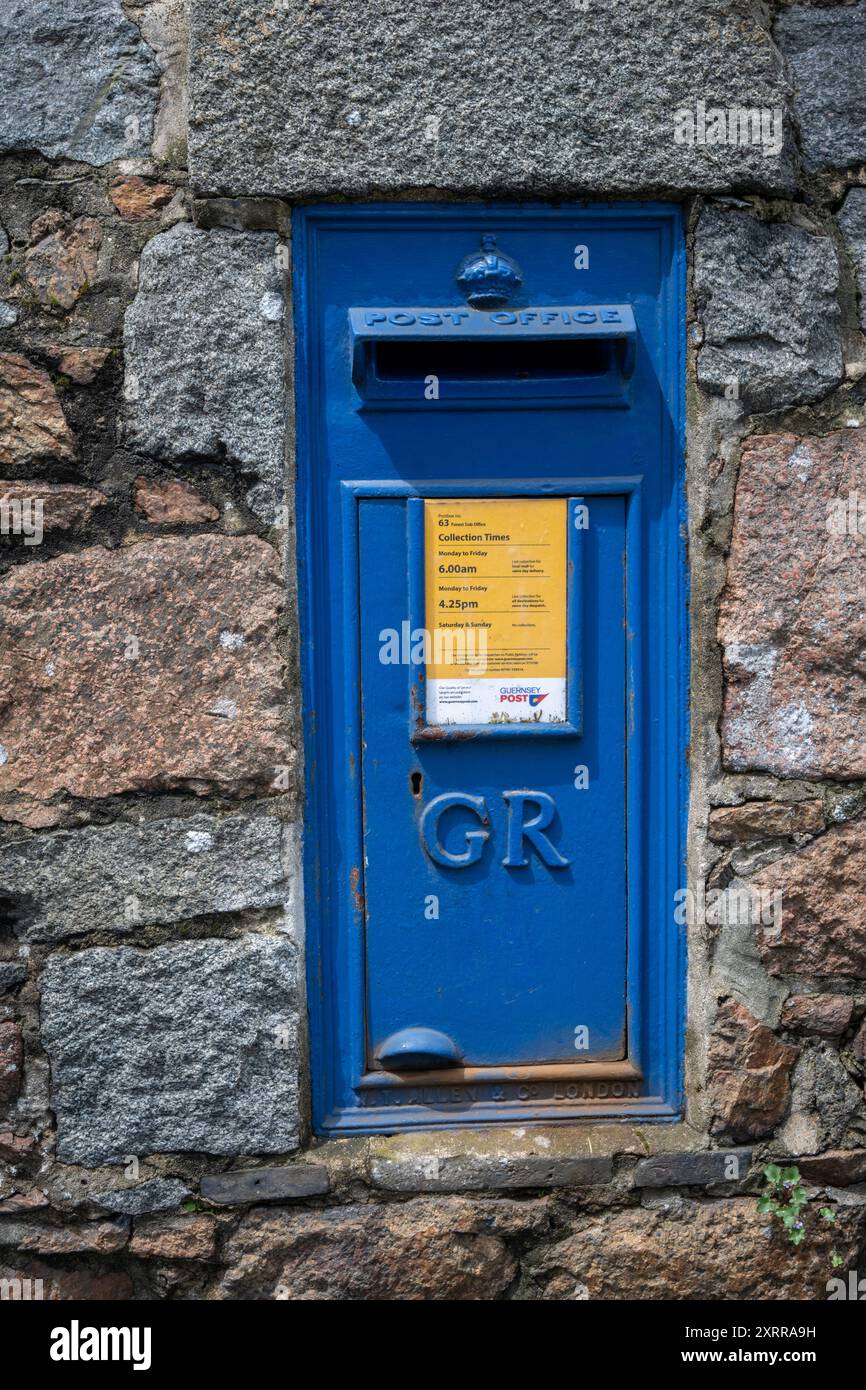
column 521, row 355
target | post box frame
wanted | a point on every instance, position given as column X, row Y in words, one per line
column 344, row 1093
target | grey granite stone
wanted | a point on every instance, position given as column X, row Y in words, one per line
column 121, row 877
column 8, row 312
column 766, row 296
column 296, row 99
column 188, row 1047
column 159, row 1194
column 285, row 1184
column 11, row 975
column 693, row 1170
column 78, row 81
column 205, row 369
column 470, row 1172
column 826, row 1104
column 852, row 223
column 838, row 1100
column 826, row 53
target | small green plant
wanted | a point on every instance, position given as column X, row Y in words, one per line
column 786, row 1199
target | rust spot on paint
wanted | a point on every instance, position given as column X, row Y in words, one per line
column 355, row 886
column 431, row 731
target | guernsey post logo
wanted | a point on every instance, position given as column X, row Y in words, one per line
column 531, row 695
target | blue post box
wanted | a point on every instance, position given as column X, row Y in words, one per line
column 493, row 643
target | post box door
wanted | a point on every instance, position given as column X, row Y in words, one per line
column 495, row 860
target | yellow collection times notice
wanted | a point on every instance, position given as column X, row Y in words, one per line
column 495, row 587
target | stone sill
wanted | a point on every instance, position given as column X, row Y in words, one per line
column 499, row 1159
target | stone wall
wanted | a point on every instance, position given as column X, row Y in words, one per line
column 154, row 1137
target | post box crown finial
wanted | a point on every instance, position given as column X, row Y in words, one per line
column 488, row 277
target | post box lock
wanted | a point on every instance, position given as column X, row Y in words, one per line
column 493, row 628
